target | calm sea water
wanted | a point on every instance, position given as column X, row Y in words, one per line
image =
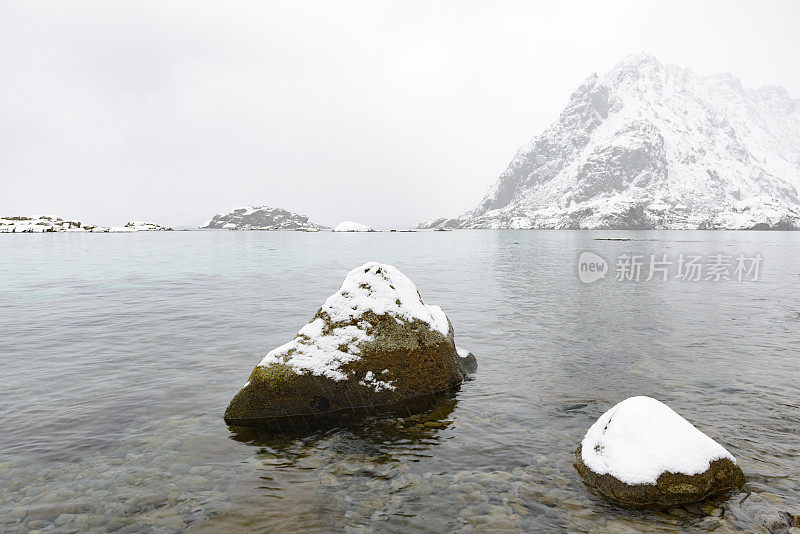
column 119, row 354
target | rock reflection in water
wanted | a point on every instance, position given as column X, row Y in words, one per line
column 345, row 476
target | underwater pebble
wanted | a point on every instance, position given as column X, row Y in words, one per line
column 179, row 468
column 199, row 470
column 327, row 480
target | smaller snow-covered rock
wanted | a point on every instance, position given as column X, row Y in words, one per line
column 374, row 345
column 466, row 361
column 350, row 226
column 642, row 453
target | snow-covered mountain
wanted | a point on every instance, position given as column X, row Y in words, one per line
column 262, row 218
column 654, row 146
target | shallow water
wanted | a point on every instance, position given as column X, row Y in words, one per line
column 120, row 352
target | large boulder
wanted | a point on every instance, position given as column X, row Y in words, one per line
column 373, row 346
column 641, row 453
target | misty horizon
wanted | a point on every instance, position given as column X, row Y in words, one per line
column 137, row 114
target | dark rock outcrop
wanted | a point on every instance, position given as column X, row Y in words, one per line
column 373, row 346
column 261, row 218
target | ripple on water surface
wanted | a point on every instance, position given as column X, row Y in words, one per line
column 120, row 353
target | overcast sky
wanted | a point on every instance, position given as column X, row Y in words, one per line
column 378, row 112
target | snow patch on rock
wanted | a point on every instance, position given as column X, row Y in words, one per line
column 324, row 345
column 382, row 289
column 640, row 438
column 318, row 351
column 370, row 380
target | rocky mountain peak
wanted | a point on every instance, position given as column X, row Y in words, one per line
column 638, row 65
column 653, row 146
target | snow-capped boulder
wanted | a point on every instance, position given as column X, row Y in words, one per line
column 642, row 453
column 373, row 345
column 350, row 226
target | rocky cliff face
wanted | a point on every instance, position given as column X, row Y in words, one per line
column 654, row 146
column 262, row 218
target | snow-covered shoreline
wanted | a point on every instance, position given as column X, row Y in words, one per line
column 38, row 225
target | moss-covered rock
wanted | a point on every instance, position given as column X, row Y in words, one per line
column 641, row 453
column 373, row 346
column 670, row 489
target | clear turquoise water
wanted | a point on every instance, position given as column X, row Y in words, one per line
column 119, row 354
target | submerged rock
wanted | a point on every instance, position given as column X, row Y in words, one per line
column 373, row 345
column 752, row 508
column 641, row 453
